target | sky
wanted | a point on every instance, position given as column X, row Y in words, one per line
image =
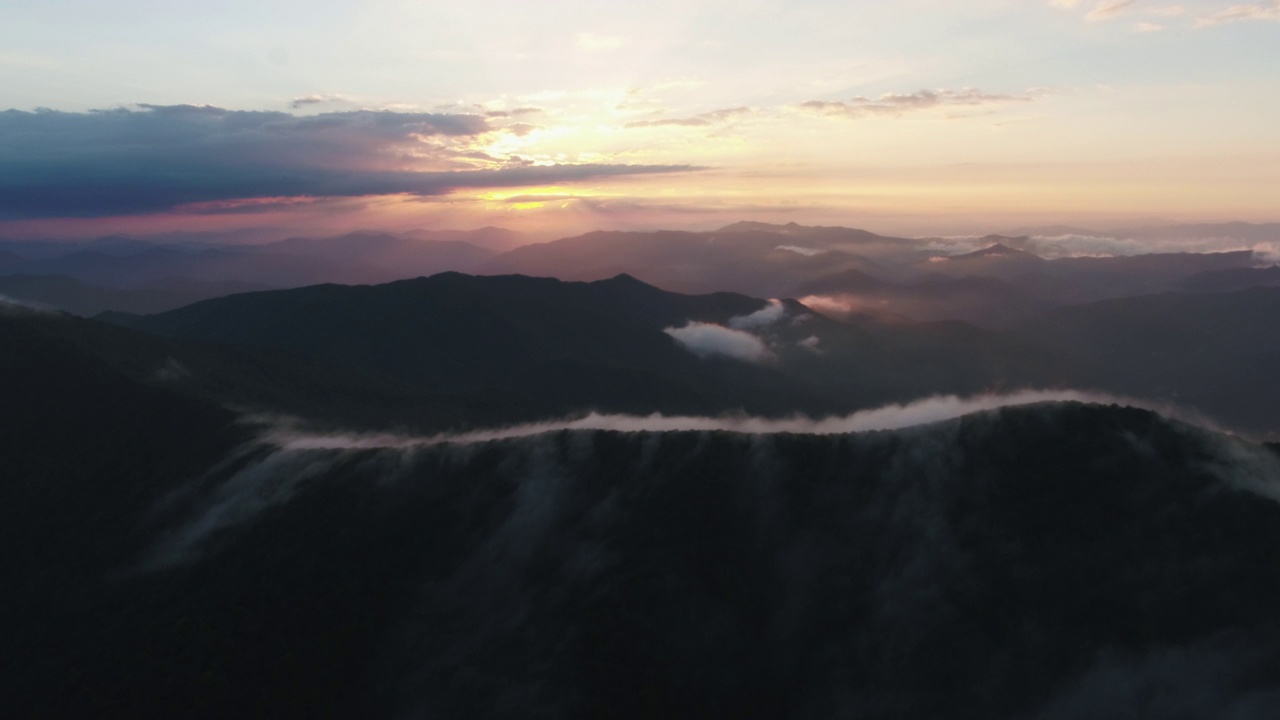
column 910, row 117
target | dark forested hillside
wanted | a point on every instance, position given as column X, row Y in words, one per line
column 608, row 344
column 1213, row 351
column 1044, row 561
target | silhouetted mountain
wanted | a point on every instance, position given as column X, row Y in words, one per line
column 1052, row 231
column 158, row 264
column 792, row 260
column 1091, row 273
column 1077, row 280
column 996, row 261
column 118, row 245
column 610, row 344
column 983, row 301
column 123, row 245
column 1237, row 230
column 1154, row 267
column 1044, row 561
column 491, row 238
column 80, row 298
column 1213, row 352
column 1233, row 279
column 572, row 345
column 740, row 259
column 998, row 250
column 395, row 256
column 821, row 236
column 845, row 281
column 1258, row 232
column 352, row 258
column 264, row 381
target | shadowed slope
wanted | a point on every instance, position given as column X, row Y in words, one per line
column 606, row 345
column 1214, row 351
column 1003, row 565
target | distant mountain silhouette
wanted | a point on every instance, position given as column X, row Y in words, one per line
column 738, row 259
column 1216, row 352
column 1233, row 279
column 116, row 245
column 822, row 235
column 490, row 238
column 1257, row 232
column 395, row 256
column 80, row 298
column 1166, row 231
column 350, row 258
column 1053, row 231
column 157, row 264
column 752, row 258
column 762, row 259
column 851, row 281
column 983, row 301
column 998, row 250
column 1075, row 280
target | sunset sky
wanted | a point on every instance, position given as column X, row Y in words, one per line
column 916, row 116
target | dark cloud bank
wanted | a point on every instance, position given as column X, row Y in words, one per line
column 154, row 158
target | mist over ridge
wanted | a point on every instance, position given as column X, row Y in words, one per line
column 290, row 433
column 823, row 574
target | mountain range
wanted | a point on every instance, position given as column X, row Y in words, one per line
column 495, row 495
column 1000, row 281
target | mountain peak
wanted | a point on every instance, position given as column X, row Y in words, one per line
column 999, row 250
column 756, row 226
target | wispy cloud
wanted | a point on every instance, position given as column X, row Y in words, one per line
column 772, row 312
column 312, row 100
column 1108, row 9
column 513, row 112
column 1242, row 13
column 894, row 104
column 669, row 122
column 286, row 435
column 707, row 118
column 1203, row 16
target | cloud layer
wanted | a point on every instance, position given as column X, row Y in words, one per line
column 710, row 340
column 894, row 104
column 890, row 417
column 771, row 313
column 1203, row 13
column 155, row 158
